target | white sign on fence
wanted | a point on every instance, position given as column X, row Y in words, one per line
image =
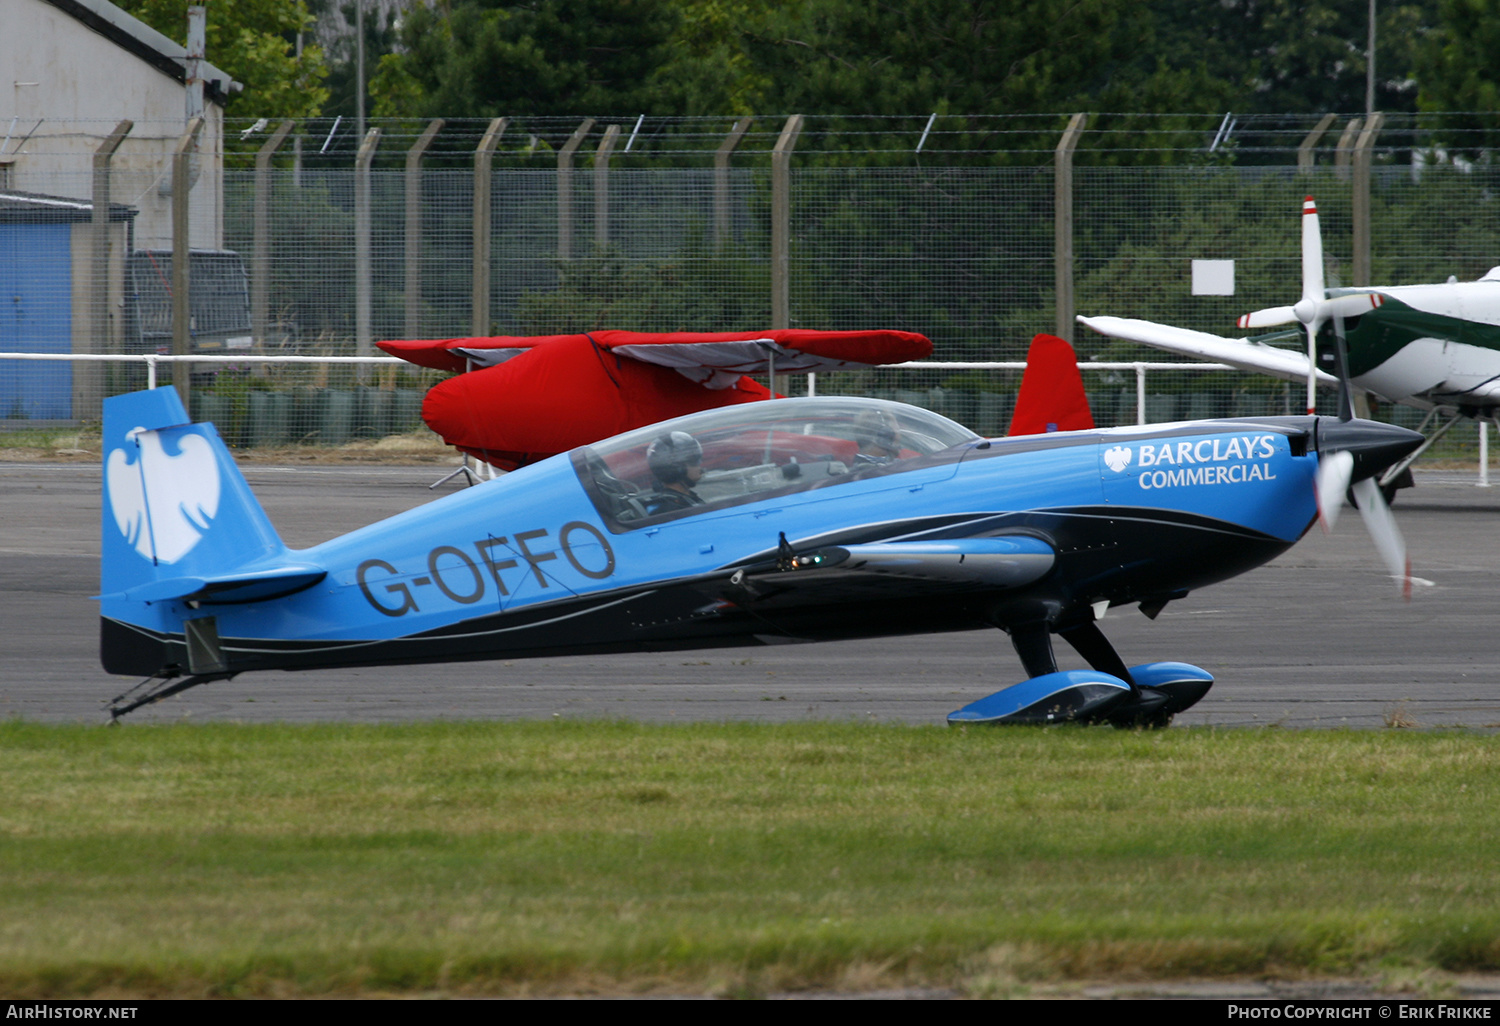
column 1213, row 277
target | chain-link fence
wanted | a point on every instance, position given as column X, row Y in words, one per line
column 324, row 241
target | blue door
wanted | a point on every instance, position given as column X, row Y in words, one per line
column 36, row 299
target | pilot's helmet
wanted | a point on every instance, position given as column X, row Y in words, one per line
column 672, row 454
column 877, row 429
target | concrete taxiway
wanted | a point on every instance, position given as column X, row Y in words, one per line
column 1317, row 638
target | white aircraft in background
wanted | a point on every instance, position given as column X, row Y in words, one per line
column 1434, row 347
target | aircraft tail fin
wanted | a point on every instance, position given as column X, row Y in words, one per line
column 177, row 517
column 1052, row 396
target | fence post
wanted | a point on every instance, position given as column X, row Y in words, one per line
column 781, row 224
column 412, row 248
column 565, row 190
column 1305, row 157
column 1361, row 198
column 601, row 185
column 362, row 270
column 260, row 271
column 1140, row 393
column 87, row 383
column 479, row 274
column 1484, row 455
column 182, row 328
column 1063, row 224
column 1345, row 147
column 721, row 180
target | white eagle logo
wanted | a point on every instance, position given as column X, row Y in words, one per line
column 1117, row 459
column 163, row 504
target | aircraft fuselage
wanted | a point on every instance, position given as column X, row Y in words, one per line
column 539, row 562
column 1427, row 345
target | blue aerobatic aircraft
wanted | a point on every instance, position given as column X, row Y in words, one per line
column 785, row 520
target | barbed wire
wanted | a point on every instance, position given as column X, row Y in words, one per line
column 929, row 138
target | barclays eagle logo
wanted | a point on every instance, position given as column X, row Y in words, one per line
column 163, row 503
column 1117, row 458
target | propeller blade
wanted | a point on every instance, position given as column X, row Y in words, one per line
column 1383, row 532
column 1269, row 317
column 1313, row 287
column 1312, row 369
column 1341, row 365
column 1352, row 306
column 1334, row 471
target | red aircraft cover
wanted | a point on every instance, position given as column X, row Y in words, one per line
column 1052, row 396
column 524, row 399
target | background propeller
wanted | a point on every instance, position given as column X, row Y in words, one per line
column 1350, row 452
column 1315, row 307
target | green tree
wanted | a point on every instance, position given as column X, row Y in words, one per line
column 1027, row 56
column 255, row 41
column 967, row 59
column 381, row 38
column 481, row 58
column 1286, row 56
column 698, row 290
column 909, row 56
column 853, row 58
column 1459, row 70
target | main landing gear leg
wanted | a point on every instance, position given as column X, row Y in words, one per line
column 1033, row 644
column 1089, row 641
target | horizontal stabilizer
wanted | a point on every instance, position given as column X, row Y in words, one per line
column 252, row 586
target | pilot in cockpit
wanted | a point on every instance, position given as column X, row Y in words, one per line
column 878, row 436
column 676, row 462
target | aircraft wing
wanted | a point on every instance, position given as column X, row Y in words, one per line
column 527, row 398
column 461, row 354
column 717, row 360
column 1245, row 354
column 713, row 359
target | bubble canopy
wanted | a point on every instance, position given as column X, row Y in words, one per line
column 758, row 450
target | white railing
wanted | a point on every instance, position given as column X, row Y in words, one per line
column 1138, row 367
column 152, row 360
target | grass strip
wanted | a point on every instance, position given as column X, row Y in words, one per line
column 514, row 858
